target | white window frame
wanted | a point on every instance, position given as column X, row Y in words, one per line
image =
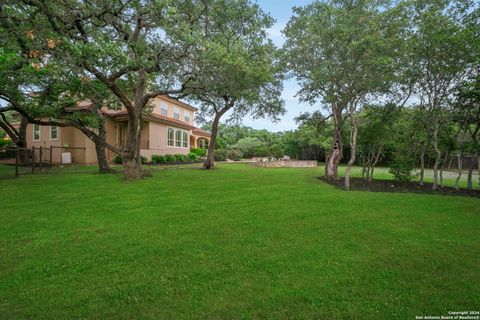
column 182, row 142
column 39, row 131
column 186, row 115
column 56, row 130
column 185, row 141
column 163, row 107
column 176, row 113
column 168, row 138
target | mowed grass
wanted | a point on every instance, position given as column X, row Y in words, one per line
column 236, row 242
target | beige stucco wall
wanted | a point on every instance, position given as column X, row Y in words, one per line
column 158, row 142
column 111, row 138
column 153, row 141
column 67, row 137
column 157, row 102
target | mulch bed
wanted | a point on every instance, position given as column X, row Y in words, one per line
column 377, row 185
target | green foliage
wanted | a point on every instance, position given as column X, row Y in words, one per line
column 192, row 156
column 170, row 158
column 5, row 142
column 158, row 159
column 403, row 170
column 221, row 155
column 199, row 152
column 235, row 154
column 342, row 50
column 117, row 159
column 180, row 157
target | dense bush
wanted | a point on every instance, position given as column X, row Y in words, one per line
column 192, row 156
column 402, row 170
column 118, row 159
column 235, row 154
column 180, row 157
column 158, row 159
column 4, row 143
column 199, row 152
column 220, row 154
column 169, row 158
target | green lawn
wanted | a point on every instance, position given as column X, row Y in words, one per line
column 236, row 242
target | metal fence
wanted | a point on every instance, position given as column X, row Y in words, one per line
column 466, row 161
column 15, row 161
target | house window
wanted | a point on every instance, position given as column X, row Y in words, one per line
column 36, row 132
column 187, row 116
column 176, row 113
column 202, row 143
column 53, row 133
column 171, row 137
column 185, row 139
column 163, row 109
column 178, row 138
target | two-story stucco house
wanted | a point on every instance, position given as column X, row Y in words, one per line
column 168, row 129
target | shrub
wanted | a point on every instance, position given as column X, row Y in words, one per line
column 169, row 158
column 192, row 156
column 402, row 171
column 235, row 154
column 199, row 152
column 158, row 159
column 180, row 157
column 117, row 159
column 220, row 154
column 4, row 143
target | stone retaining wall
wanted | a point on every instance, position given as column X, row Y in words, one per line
column 286, row 164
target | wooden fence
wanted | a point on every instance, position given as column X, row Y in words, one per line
column 37, row 159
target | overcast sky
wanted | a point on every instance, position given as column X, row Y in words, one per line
column 281, row 11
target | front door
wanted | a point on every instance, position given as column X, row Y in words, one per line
column 121, row 135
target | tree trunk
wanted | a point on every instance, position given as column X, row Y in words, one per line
column 374, row 164
column 470, row 173
column 438, row 157
column 422, row 166
column 364, row 166
column 210, row 160
column 353, row 146
column 336, row 154
column 459, row 168
column 102, row 160
column 132, row 162
column 19, row 137
column 22, row 141
column 442, row 167
column 478, row 168
column 103, row 166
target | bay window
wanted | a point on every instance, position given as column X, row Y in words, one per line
column 185, row 139
column 177, row 138
column 171, row 137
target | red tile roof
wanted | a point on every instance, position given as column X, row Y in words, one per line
column 161, row 119
column 176, row 101
column 201, row 132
